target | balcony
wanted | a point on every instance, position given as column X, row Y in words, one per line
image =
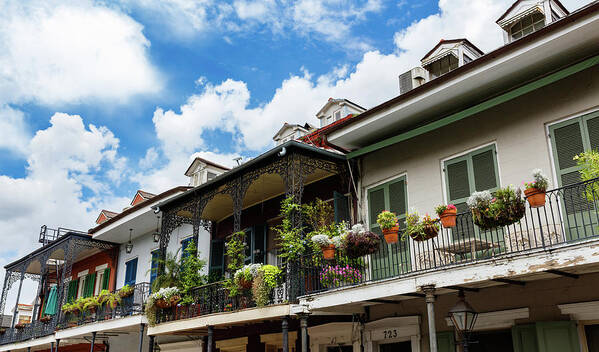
column 569, row 216
column 129, row 306
column 214, row 298
column 30, row 331
column 48, row 235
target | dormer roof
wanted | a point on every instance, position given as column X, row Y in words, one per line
column 306, row 127
column 105, row 215
column 339, row 102
column 520, row 7
column 444, row 47
column 194, row 164
column 140, row 196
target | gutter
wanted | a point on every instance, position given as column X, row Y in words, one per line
column 485, row 105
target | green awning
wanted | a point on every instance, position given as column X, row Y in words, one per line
column 50, row 308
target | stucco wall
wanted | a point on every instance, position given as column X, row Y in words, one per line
column 518, row 128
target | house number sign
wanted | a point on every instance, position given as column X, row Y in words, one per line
column 386, row 334
column 390, row 334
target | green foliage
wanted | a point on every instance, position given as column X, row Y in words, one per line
column 386, row 219
column 416, row 226
column 126, row 291
column 170, row 276
column 235, row 251
column 589, row 169
column 540, row 181
column 440, row 209
column 318, row 215
column 267, row 279
column 151, row 310
column 190, row 273
column 290, row 238
column 90, row 303
column 503, row 208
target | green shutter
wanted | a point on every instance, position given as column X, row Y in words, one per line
column 376, row 204
column 484, row 170
column 341, row 206
column 90, row 280
column 72, row 291
column 458, row 183
column 397, row 197
column 106, row 279
column 593, row 130
column 524, row 338
column 568, row 143
column 557, row 336
column 445, row 341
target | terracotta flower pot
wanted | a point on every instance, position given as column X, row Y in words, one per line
column 535, row 197
column 246, row 284
column 391, row 235
column 328, row 252
column 448, row 218
column 429, row 232
column 163, row 304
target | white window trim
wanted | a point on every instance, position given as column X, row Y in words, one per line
column 467, row 151
column 83, row 273
column 102, row 267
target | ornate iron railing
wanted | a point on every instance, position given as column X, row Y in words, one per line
column 131, row 305
column 48, row 235
column 215, row 298
column 29, row 331
column 570, row 214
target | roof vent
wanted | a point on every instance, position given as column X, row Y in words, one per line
column 412, row 79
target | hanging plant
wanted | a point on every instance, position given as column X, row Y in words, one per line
column 388, row 223
column 503, row 209
column 420, row 228
column 535, row 190
column 448, row 214
column 360, row 242
column 126, row 291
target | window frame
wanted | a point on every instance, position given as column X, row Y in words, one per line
column 385, row 185
column 531, row 25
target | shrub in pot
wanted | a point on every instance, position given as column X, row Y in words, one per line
column 90, row 304
column 126, row 291
column 244, row 277
column 388, row 223
column 267, row 279
column 339, row 275
column 326, row 245
column 535, row 190
column 420, row 228
column 503, row 208
column 360, row 242
column 448, row 214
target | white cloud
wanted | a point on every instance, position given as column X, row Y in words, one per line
column 15, row 135
column 67, row 52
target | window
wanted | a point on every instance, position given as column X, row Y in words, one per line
column 329, row 119
column 341, row 207
column 527, row 25
column 86, row 286
column 154, row 266
column 442, row 66
column 337, row 115
column 102, row 279
column 217, row 258
column 130, row 272
column 184, row 244
column 467, row 59
column 211, row 175
column 255, row 239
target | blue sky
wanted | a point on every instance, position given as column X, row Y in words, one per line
column 101, row 98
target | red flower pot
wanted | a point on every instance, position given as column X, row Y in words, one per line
column 328, row 252
column 448, row 218
column 535, row 197
column 391, row 235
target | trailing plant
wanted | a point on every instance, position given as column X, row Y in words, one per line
column 111, row 300
column 235, row 251
column 386, row 220
column 264, row 282
column 90, row 304
column 440, row 209
column 151, row 310
column 126, row 291
column 292, row 243
column 360, row 242
column 321, row 240
column 504, row 208
column 540, row 181
column 339, row 275
column 418, row 227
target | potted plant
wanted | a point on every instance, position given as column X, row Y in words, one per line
column 360, row 242
column 267, row 279
column 535, row 190
column 339, row 275
column 126, row 291
column 504, row 208
column 91, row 304
column 447, row 214
column 166, row 296
column 244, row 277
column 326, row 245
column 46, row 319
column 388, row 223
column 421, row 228
column 20, row 326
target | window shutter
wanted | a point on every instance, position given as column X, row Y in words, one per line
column 557, row 336
column 524, row 338
column 217, row 257
column 72, row 290
column 457, row 180
column 106, row 279
column 90, row 281
column 483, row 166
column 568, row 143
column 376, row 204
column 593, row 129
column 397, row 198
column 130, row 272
column 341, row 205
column 154, row 266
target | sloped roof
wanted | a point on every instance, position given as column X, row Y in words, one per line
column 332, row 101
column 205, row 161
column 518, row 1
column 449, row 41
column 107, row 214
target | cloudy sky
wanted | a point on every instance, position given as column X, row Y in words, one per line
column 101, row 98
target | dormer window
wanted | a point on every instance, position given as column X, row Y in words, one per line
column 337, row 115
column 442, row 66
column 527, row 25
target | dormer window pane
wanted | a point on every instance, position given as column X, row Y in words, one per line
column 527, row 25
column 442, row 66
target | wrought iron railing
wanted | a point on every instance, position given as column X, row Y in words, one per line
column 570, row 214
column 29, row 331
column 48, row 235
column 215, row 298
column 131, row 305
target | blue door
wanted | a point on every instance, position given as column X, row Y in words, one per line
column 130, row 272
column 154, row 267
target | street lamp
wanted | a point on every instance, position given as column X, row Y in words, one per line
column 463, row 317
column 129, row 245
column 156, row 234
